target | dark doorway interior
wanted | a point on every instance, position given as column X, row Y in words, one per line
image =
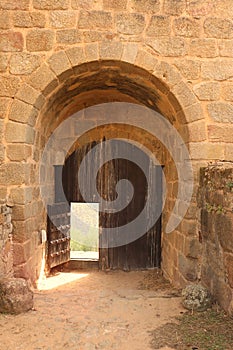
column 144, row 252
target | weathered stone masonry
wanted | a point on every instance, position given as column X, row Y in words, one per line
column 216, row 231
column 55, row 55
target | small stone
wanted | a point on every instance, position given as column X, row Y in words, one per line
column 196, row 298
column 218, row 28
column 15, row 296
column 40, row 40
column 159, row 26
column 95, row 19
column 131, row 23
column 24, row 63
column 11, row 41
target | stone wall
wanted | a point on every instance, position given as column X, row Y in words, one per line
column 6, row 248
column 216, row 231
column 175, row 56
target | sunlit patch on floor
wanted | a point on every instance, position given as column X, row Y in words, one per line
column 60, row 279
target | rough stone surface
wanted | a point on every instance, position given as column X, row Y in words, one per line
column 209, row 91
column 215, row 198
column 62, row 19
column 151, row 6
column 50, row 4
column 24, row 63
column 221, row 111
column 68, row 36
column 219, row 28
column 14, row 5
column 40, row 40
column 11, row 41
column 159, row 26
column 203, row 48
column 15, row 296
column 196, row 298
column 95, row 19
column 130, row 23
column 187, row 27
column 24, row 19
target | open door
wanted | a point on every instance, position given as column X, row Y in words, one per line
column 144, row 252
column 58, row 234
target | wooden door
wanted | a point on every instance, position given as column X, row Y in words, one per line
column 58, row 231
column 144, row 252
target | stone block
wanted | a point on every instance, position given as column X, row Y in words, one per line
column 43, row 79
column 147, row 6
column 169, row 47
column 13, row 173
column 207, row 91
column 59, row 63
column 187, row 27
column 217, row 69
column 221, row 111
column 31, row 96
column 115, row 4
column 159, row 26
column 228, row 152
column 23, row 112
column 23, row 19
column 4, row 58
column 15, row 296
column 223, row 228
column 95, row 20
column 203, row 47
column 227, row 91
column 22, row 195
column 190, row 69
column 76, row 55
column 229, row 268
column 202, row 150
column 130, row 52
column 21, row 253
column 200, row 8
column 226, row 48
column 19, row 152
column 24, row 63
column 14, row 5
column 130, row 24
column 62, row 19
column 220, row 133
column 174, row 7
column 51, row 4
column 186, row 97
column 111, row 50
column 92, row 52
column 218, row 28
column 68, row 36
column 187, row 267
column 146, row 60
column 5, row 20
column 192, row 248
column 11, row 41
column 40, row 40
column 19, row 133
column 9, row 86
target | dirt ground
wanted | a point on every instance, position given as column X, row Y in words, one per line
column 91, row 310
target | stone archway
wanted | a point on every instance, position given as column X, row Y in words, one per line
column 62, row 86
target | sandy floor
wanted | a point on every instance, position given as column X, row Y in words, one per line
column 88, row 311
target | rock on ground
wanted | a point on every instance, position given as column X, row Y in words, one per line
column 196, row 297
column 15, row 296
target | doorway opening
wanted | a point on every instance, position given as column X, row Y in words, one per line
column 86, row 240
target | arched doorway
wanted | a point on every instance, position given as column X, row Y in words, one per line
column 89, row 84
